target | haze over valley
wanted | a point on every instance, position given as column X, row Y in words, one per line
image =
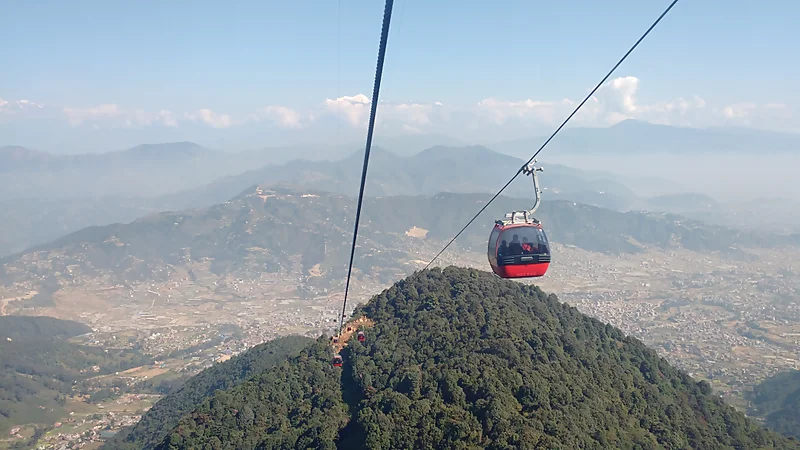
column 46, row 196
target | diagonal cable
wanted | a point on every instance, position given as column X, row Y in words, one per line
column 555, row 132
column 387, row 17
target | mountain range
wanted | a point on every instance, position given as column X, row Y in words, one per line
column 37, row 211
column 166, row 167
column 44, row 196
column 474, row 169
column 299, row 232
column 145, row 170
column 162, row 169
column 35, row 220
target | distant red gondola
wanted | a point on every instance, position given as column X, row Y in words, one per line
column 361, row 337
column 337, row 360
column 518, row 245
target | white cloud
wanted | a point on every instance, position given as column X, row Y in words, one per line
column 16, row 110
column 416, row 113
column 111, row 115
column 210, row 118
column 77, row 116
column 411, row 117
column 777, row 106
column 624, row 92
column 14, row 106
column 411, row 129
column 28, row 104
column 738, row 111
column 355, row 109
column 612, row 103
column 286, row 117
column 772, row 115
column 140, row 118
column 616, row 101
column 500, row 111
column 167, row 118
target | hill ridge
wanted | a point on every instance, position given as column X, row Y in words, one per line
column 247, row 236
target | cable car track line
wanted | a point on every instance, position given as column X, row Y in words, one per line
column 624, row 57
column 387, row 17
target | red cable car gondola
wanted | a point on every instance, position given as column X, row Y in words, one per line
column 518, row 246
column 361, row 337
column 337, row 360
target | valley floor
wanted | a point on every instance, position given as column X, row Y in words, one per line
column 86, row 426
column 731, row 322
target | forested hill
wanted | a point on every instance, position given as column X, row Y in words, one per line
column 29, row 328
column 777, row 400
column 460, row 359
column 40, row 366
column 164, row 415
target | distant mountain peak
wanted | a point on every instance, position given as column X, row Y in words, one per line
column 455, row 152
column 376, row 152
column 15, row 157
column 18, row 153
column 636, row 123
column 628, row 122
column 167, row 151
column 183, row 146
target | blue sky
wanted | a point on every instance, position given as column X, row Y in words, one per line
column 253, row 73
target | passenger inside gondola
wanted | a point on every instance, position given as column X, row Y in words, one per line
column 503, row 250
column 527, row 248
column 515, row 247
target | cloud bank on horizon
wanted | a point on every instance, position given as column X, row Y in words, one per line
column 487, row 118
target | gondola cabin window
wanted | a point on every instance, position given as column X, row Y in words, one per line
column 493, row 246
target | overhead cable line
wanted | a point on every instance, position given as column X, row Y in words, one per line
column 387, row 17
column 338, row 65
column 555, row 132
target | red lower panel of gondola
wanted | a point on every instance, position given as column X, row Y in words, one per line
column 522, row 270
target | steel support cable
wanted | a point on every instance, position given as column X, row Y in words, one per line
column 338, row 64
column 387, row 16
column 555, row 132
